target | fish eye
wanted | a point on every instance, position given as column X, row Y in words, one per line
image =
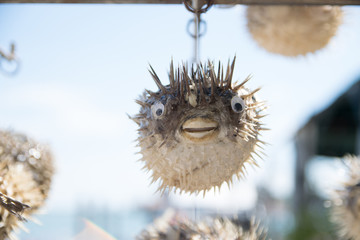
column 237, row 104
column 158, row 110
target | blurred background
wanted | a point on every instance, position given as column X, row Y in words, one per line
column 81, row 68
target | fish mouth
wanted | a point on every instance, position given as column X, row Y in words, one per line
column 199, row 129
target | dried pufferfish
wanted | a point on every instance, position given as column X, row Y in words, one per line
column 172, row 226
column 198, row 131
column 293, row 30
column 26, row 169
column 345, row 211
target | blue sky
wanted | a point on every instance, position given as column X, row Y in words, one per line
column 82, row 66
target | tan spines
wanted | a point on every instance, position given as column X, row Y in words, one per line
column 201, row 76
column 182, row 88
column 186, row 79
column 157, row 80
column 218, row 74
column 171, row 75
column 213, row 80
column 152, row 94
column 142, row 103
column 239, row 86
column 229, row 74
column 173, row 225
column 26, row 170
column 201, row 82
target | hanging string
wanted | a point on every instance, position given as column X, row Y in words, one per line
column 197, row 7
column 12, row 62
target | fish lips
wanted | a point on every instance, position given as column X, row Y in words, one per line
column 199, row 129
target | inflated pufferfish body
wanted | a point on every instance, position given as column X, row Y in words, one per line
column 345, row 212
column 293, row 30
column 26, row 169
column 172, row 226
column 198, row 131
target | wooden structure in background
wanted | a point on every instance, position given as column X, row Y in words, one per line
column 334, row 132
column 217, row 2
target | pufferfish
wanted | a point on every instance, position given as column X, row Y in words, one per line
column 293, row 30
column 173, row 226
column 345, row 211
column 198, row 131
column 26, row 170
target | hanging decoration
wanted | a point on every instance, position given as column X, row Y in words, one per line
column 26, row 170
column 293, row 30
column 200, row 130
column 345, row 211
column 173, row 225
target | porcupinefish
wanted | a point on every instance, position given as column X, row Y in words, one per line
column 293, row 30
column 198, row 131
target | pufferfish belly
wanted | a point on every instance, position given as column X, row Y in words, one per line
column 194, row 167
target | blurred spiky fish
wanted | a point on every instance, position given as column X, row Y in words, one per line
column 345, row 211
column 293, row 30
column 172, row 226
column 200, row 130
column 26, row 169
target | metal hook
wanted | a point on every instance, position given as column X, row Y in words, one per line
column 197, row 7
column 10, row 58
column 203, row 9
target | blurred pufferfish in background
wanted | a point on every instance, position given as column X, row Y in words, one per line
column 26, row 170
column 293, row 30
column 174, row 226
column 345, row 207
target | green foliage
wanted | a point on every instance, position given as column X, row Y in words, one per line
column 312, row 224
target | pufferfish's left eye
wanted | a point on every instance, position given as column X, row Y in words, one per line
column 237, row 104
column 158, row 110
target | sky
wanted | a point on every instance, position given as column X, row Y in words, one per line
column 82, row 67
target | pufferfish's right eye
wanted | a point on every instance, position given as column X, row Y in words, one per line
column 158, row 110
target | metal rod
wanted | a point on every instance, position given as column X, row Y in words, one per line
column 196, row 38
column 222, row 2
column 196, row 32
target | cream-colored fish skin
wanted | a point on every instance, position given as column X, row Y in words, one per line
column 195, row 146
column 293, row 30
column 345, row 211
column 196, row 167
